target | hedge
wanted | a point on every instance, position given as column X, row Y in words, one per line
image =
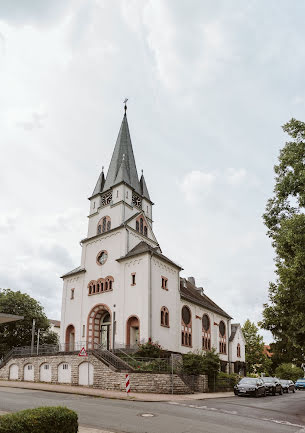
column 40, row 420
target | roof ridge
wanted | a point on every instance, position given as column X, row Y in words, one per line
column 122, row 147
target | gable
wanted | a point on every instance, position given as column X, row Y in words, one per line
column 134, row 223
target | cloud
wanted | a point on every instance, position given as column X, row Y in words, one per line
column 198, row 185
column 32, row 11
column 236, row 176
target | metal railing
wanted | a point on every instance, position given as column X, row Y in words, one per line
column 111, row 358
column 160, row 365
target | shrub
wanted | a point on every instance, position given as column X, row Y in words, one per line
column 40, row 420
column 193, row 363
column 289, row 371
column 226, row 381
column 202, row 363
column 149, row 350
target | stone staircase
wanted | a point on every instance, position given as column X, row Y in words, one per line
column 111, row 360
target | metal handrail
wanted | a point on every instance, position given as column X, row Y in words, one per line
column 111, row 358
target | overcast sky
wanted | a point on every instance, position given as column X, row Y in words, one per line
column 209, row 85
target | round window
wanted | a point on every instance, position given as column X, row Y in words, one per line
column 222, row 328
column 205, row 322
column 102, row 257
column 186, row 315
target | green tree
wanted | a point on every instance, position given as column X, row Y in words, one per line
column 289, row 371
column 284, row 316
column 16, row 334
column 202, row 363
column 256, row 361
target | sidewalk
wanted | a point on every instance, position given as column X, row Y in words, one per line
column 119, row 395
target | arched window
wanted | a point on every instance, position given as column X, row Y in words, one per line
column 109, row 283
column 238, row 350
column 186, row 324
column 141, row 226
column 222, row 337
column 206, row 332
column 104, row 225
column 100, row 286
column 164, row 317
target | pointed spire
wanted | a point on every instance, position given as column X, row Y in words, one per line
column 123, row 146
column 99, row 184
column 144, row 190
column 122, row 175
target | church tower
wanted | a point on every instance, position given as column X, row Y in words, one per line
column 109, row 298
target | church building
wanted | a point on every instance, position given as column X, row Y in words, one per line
column 126, row 291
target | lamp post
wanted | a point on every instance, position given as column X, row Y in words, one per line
column 33, row 336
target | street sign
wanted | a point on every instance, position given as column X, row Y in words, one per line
column 83, row 352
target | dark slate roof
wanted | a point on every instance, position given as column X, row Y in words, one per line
column 143, row 247
column 234, row 327
column 144, row 190
column 189, row 293
column 99, row 184
column 123, row 173
column 123, row 146
column 74, row 271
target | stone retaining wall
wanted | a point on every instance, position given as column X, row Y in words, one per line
column 105, row 378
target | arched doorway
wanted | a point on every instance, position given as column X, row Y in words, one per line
column 133, row 331
column 99, row 327
column 70, row 338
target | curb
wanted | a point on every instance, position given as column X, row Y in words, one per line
column 83, row 391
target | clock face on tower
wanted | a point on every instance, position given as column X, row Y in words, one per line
column 136, row 201
column 102, row 257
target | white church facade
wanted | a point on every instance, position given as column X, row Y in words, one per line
column 125, row 291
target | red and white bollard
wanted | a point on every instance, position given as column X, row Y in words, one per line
column 127, row 384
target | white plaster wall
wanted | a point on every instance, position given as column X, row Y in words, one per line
column 147, row 208
column 72, row 308
column 238, row 339
column 55, row 329
column 134, row 301
column 168, row 338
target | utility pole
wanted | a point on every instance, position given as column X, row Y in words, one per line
column 38, row 332
column 33, row 335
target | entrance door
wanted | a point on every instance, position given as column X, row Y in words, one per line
column 133, row 331
column 134, row 335
column 105, row 331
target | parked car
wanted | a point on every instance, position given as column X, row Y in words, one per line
column 250, row 386
column 300, row 384
column 272, row 385
column 287, row 385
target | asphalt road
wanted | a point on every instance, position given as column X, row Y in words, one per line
column 237, row 414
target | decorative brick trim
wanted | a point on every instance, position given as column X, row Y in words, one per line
column 128, row 325
column 99, row 255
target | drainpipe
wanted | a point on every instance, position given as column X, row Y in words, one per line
column 150, row 300
column 229, row 345
column 127, row 239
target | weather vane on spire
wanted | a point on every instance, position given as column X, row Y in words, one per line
column 125, row 106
